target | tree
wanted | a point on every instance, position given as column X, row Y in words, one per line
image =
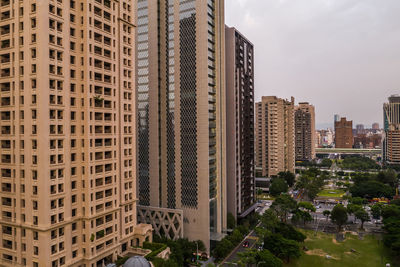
column 388, row 177
column 288, row 177
column 231, row 222
column 312, row 190
column 391, row 222
column 261, row 258
column 371, row 189
column 376, row 211
column 278, row 186
column 352, row 208
column 302, row 213
column 281, row 247
column 395, row 202
column 269, row 219
column 358, row 200
column 307, row 206
column 326, row 213
column 339, row 216
column 223, row 248
column 363, row 216
column 283, row 205
column 326, row 163
column 236, row 237
column 289, row 232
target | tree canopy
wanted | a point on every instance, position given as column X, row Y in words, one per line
column 278, row 186
column 283, row 205
column 339, row 216
column 288, row 177
column 363, row 216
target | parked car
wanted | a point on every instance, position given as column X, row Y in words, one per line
column 246, row 244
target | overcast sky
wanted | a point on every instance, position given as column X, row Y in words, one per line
column 343, row 56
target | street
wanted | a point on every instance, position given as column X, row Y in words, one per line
column 233, row 257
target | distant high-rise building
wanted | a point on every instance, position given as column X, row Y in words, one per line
column 360, row 129
column 375, row 126
column 240, row 123
column 68, row 137
column 275, row 150
column 336, row 118
column 344, row 133
column 305, row 131
column 181, row 106
column 391, row 122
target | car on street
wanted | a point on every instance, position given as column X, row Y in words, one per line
column 246, row 244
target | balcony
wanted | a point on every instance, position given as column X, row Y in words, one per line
column 5, row 158
column 107, row 40
column 5, row 87
column 108, row 142
column 108, row 167
column 6, row 187
column 5, row 173
column 4, row 3
column 5, row 144
column 98, row 116
column 5, row 130
column 107, row 117
column 5, row 44
column 99, row 169
column 5, row 15
column 5, row 73
column 5, row 115
column 7, row 244
column 108, row 193
column 5, row 29
column 97, row 11
column 6, row 201
column 98, row 37
column 5, row 58
column 98, row 64
column 98, row 24
column 7, row 230
column 98, row 130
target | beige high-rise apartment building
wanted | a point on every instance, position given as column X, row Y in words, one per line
column 181, row 113
column 305, row 134
column 68, row 138
column 274, row 131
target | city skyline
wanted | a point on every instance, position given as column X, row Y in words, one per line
column 325, row 53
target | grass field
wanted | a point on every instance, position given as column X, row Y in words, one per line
column 331, row 193
column 369, row 252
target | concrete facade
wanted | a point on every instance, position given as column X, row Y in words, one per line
column 240, row 122
column 274, row 131
column 181, row 113
column 68, row 142
column 305, row 134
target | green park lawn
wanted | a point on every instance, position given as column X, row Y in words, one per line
column 331, row 193
column 369, row 252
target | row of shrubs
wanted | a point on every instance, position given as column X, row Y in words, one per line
column 155, row 248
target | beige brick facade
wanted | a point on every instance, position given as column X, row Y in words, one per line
column 274, row 134
column 68, row 132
